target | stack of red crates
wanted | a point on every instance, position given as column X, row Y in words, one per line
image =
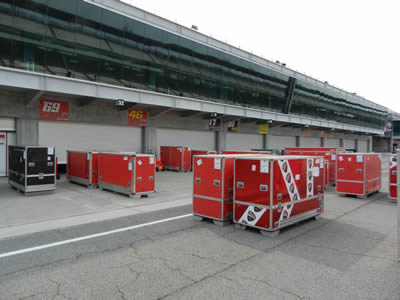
column 329, row 153
column 201, row 152
column 246, row 152
column 393, row 177
column 82, row 167
column 358, row 174
column 177, row 158
column 127, row 173
column 272, row 192
column 213, row 187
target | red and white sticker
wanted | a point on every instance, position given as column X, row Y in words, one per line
column 311, row 172
column 291, row 188
column 252, row 215
column 393, row 161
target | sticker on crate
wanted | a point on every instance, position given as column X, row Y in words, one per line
column 290, row 186
column 393, row 161
column 252, row 215
column 311, row 173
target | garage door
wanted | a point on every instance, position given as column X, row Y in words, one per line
column 349, row 144
column 362, row 146
column 311, row 142
column 332, row 142
column 195, row 139
column 242, row 141
column 281, row 142
column 83, row 136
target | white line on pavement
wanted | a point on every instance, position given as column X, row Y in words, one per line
column 92, row 236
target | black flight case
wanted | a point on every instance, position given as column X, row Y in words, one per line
column 32, row 169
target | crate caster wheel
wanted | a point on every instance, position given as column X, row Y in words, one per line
column 220, row 223
column 270, row 234
column 240, row 226
column 198, row 218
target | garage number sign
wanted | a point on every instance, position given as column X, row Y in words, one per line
column 137, row 117
column 54, row 110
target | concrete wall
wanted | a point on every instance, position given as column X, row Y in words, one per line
column 16, row 105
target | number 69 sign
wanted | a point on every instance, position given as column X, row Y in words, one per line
column 53, row 110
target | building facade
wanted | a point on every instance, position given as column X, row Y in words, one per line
column 81, row 57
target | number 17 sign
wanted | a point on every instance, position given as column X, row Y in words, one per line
column 53, row 110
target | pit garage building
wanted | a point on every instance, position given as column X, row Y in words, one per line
column 101, row 74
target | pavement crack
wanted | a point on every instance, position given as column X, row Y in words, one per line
column 121, row 293
column 216, row 274
column 274, row 286
column 58, row 289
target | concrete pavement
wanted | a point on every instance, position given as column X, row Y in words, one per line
column 350, row 253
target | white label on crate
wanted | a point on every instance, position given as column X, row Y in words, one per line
column 311, row 172
column 393, row 161
column 88, row 156
column 130, row 166
column 217, row 163
column 349, row 159
column 48, row 157
column 50, row 151
column 252, row 215
column 341, row 158
column 264, row 166
column 316, row 172
column 333, row 157
column 253, row 168
column 321, row 165
column 359, row 158
column 125, row 157
column 151, row 160
column 139, row 162
column 180, row 149
column 297, row 177
column 291, row 187
column 199, row 162
column 317, row 161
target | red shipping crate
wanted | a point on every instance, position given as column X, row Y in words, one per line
column 330, row 154
column 201, row 152
column 272, row 192
column 393, row 177
column 358, row 173
column 127, row 173
column 246, row 152
column 176, row 158
column 82, row 167
column 213, row 187
column 326, row 173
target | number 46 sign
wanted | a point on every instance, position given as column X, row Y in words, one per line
column 137, row 117
column 53, row 110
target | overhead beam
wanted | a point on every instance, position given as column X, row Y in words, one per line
column 35, row 98
column 160, row 113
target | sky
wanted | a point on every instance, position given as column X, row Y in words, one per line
column 353, row 44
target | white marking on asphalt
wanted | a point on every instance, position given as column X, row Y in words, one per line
column 92, row 236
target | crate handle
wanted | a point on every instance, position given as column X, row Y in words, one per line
column 279, row 196
column 150, row 178
column 197, row 180
column 263, row 188
column 279, row 206
column 394, row 173
column 341, row 169
column 216, row 182
column 358, row 171
column 31, row 164
column 139, row 179
column 240, row 185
